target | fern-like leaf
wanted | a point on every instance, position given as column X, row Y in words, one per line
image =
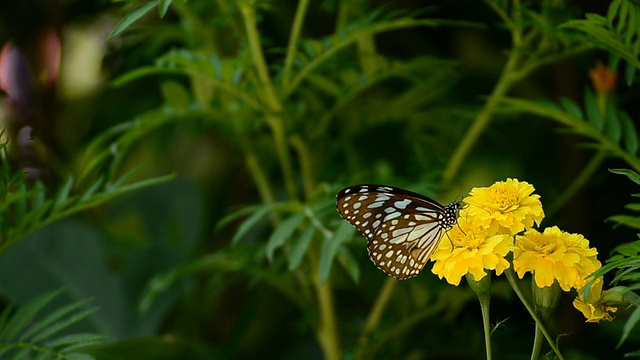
column 24, row 334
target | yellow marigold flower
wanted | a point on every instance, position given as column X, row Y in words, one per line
column 555, row 255
column 506, row 206
column 474, row 250
column 594, row 308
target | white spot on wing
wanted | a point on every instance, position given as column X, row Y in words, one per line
column 392, row 216
column 402, row 204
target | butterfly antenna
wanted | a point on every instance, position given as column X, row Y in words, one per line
column 451, row 241
column 457, row 223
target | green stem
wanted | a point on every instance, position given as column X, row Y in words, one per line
column 327, row 332
column 306, row 165
column 259, row 178
column 482, row 119
column 511, row 277
column 274, row 119
column 577, row 184
column 537, row 343
column 374, row 317
column 507, row 78
column 482, row 288
column 485, row 301
column 298, row 20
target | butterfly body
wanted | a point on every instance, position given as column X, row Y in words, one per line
column 403, row 228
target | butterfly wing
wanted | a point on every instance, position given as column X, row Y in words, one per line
column 403, row 228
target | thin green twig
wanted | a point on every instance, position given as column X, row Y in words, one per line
column 511, row 277
column 296, row 28
column 374, row 317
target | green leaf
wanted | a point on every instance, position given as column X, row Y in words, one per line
column 38, row 330
column 350, row 264
column 629, row 74
column 628, row 249
column 25, row 316
column 629, row 325
column 630, row 134
column 630, row 221
column 132, row 17
column 613, row 130
column 283, row 232
column 593, row 110
column 300, row 248
column 236, row 215
column 78, row 356
column 571, row 107
column 163, row 7
column 63, row 193
column 330, row 248
column 632, row 175
column 612, row 12
column 175, row 95
column 250, row 223
column 634, row 207
column 39, row 195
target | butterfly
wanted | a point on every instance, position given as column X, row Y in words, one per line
column 403, row 228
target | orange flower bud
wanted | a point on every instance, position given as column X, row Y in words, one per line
column 603, row 79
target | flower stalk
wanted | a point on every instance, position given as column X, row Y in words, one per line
column 482, row 288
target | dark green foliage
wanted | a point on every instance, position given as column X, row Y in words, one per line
column 46, row 337
column 265, row 110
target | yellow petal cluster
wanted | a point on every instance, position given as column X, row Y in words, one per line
column 484, row 235
column 594, row 308
column 555, row 255
column 506, row 206
column 470, row 248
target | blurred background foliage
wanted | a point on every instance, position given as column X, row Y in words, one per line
column 247, row 117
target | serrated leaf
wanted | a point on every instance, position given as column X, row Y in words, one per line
column 283, row 232
column 629, row 325
column 21, row 318
column 65, row 323
column 50, row 319
column 330, row 248
column 571, row 107
column 74, row 341
column 593, row 110
column 132, row 17
column 300, row 248
column 632, row 175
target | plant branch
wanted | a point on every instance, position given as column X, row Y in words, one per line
column 274, row 119
column 298, row 19
column 482, row 119
column 511, row 277
column 577, row 184
column 373, row 320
